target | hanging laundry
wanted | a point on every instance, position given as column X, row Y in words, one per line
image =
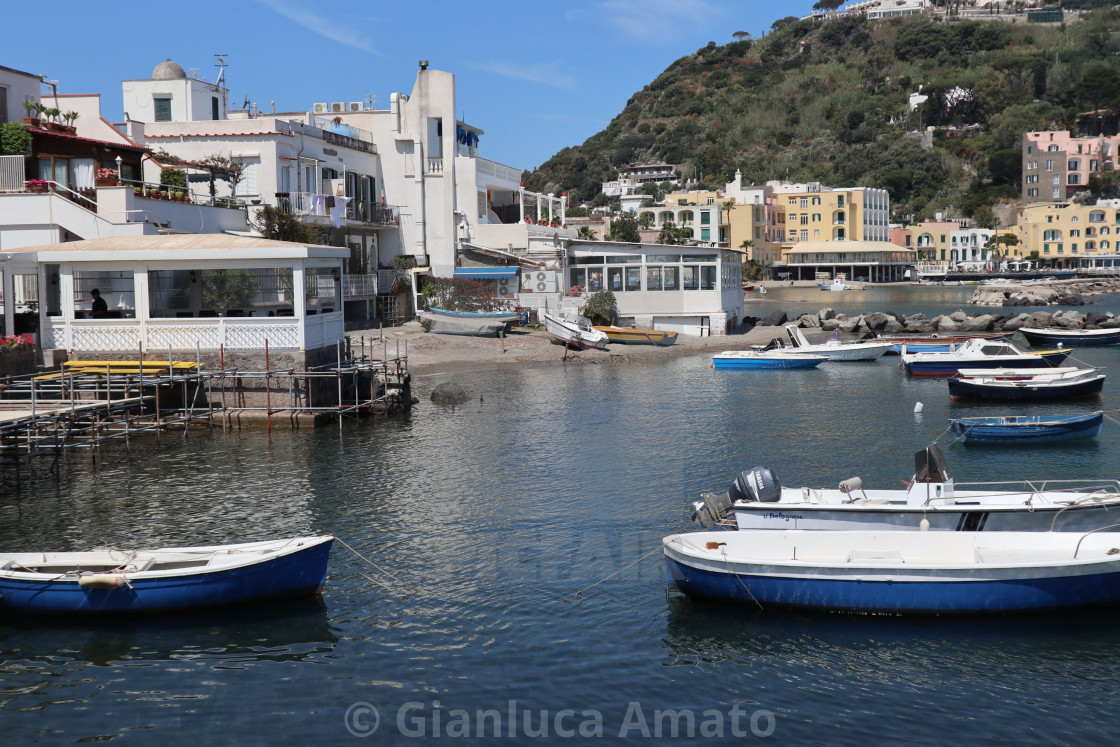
column 338, row 209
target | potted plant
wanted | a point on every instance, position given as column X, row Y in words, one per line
column 31, row 119
column 36, row 185
column 138, row 191
column 70, row 118
column 52, row 118
column 106, row 178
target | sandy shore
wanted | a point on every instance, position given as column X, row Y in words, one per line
column 431, row 353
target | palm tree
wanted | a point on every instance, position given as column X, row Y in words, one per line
column 586, row 232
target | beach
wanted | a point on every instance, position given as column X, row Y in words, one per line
column 429, row 353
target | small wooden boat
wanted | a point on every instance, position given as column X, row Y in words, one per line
column 898, row 572
column 860, row 350
column 1026, row 384
column 635, row 336
column 931, row 499
column 934, row 343
column 748, row 287
column 471, row 323
column 978, row 354
column 1026, row 429
column 167, row 579
column 574, row 331
column 1070, row 338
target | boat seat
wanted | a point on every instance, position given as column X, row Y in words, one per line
column 875, row 556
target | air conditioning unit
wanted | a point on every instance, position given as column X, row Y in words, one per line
column 338, row 106
column 321, row 108
column 507, row 287
column 539, row 281
column 355, row 106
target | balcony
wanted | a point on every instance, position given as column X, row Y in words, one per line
column 304, row 203
column 359, row 286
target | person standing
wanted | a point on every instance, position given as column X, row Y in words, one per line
column 98, row 309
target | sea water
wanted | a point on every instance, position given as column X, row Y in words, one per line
column 502, row 580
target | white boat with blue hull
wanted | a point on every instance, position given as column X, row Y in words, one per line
column 898, row 572
column 933, row 500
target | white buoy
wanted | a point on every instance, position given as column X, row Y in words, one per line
column 923, row 525
column 917, row 407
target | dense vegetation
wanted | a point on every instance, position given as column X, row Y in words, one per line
column 828, row 101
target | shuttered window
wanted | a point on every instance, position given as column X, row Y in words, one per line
column 163, row 109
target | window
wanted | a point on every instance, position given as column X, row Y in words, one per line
column 1075, row 164
column 1049, row 165
column 793, row 201
column 215, row 111
column 1096, row 216
column 1074, row 232
column 247, row 186
column 3, row 104
column 1093, row 163
column 705, row 234
column 816, row 217
column 162, row 106
column 653, row 278
column 816, row 201
column 840, row 201
column 839, row 217
column 793, row 217
column 705, row 218
column 1075, row 178
column 804, row 202
column 805, row 235
column 816, row 233
column 804, row 219
column 1032, row 193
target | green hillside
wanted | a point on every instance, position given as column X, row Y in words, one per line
column 827, row 101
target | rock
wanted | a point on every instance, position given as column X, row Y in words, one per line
column 824, row 314
column 919, row 326
column 830, row 325
column 893, row 326
column 449, row 393
column 1073, row 299
column 959, row 316
column 980, row 323
column 1095, row 318
column 1040, row 319
column 850, row 326
column 1015, row 322
column 877, row 321
column 777, row 319
column 809, row 321
column 946, row 324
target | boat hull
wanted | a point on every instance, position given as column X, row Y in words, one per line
column 633, row 336
column 1026, row 429
column 753, row 364
column 571, row 334
column 1025, row 391
column 949, row 367
column 442, row 322
column 1071, row 338
column 896, row 572
column 295, row 574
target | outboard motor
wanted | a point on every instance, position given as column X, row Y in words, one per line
column 758, row 484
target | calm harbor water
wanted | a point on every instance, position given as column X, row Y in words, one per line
column 479, row 525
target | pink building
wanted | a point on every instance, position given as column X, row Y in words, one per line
column 1056, row 164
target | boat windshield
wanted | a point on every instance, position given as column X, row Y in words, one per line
column 930, row 465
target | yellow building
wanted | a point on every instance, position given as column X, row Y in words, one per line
column 1067, row 235
column 815, row 213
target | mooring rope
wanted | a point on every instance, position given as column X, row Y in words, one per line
column 620, row 570
column 375, row 566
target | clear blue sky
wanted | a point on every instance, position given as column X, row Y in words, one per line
column 537, row 77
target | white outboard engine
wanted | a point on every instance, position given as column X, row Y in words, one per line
column 758, row 484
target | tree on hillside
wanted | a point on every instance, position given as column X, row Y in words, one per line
column 741, row 35
column 828, row 4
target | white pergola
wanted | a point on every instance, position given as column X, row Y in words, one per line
column 179, row 292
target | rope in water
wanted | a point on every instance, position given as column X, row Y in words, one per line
column 376, row 567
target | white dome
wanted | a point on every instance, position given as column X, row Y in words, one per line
column 168, row 70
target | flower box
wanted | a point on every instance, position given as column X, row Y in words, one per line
column 106, row 182
column 36, row 185
column 17, row 355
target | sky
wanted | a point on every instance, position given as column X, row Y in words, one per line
column 535, row 77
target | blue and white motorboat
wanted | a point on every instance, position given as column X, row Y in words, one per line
column 931, row 500
column 1026, row 429
column 1070, row 338
column 121, row 581
column 1026, row 384
column 934, row 343
column 898, row 572
column 766, row 358
column 978, row 354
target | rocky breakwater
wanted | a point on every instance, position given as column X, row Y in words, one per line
column 958, row 322
column 1054, row 293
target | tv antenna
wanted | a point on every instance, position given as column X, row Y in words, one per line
column 371, row 100
column 221, row 65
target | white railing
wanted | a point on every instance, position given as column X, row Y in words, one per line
column 357, row 286
column 12, row 176
column 435, row 166
column 246, row 334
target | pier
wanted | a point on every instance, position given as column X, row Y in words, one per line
column 86, row 403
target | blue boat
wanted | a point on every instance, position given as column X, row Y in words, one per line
column 1068, row 338
column 976, row 354
column 118, row 581
column 765, row 359
column 1027, row 384
column 897, row 572
column 1026, row 429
